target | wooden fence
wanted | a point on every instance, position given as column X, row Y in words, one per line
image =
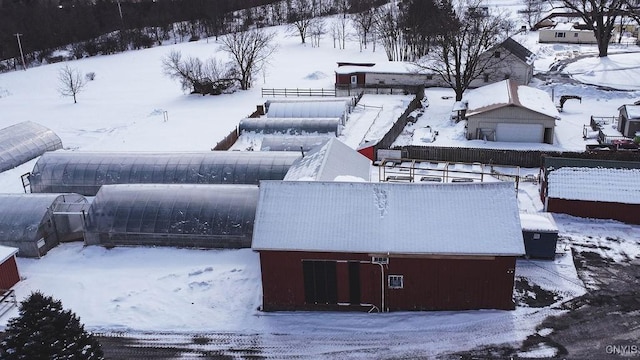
column 228, row 141
column 397, row 128
column 298, row 92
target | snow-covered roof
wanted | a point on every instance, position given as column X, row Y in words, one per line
column 388, row 218
column 633, row 111
column 538, row 222
column 328, row 162
column 509, row 93
column 7, row 252
column 390, row 67
column 595, row 184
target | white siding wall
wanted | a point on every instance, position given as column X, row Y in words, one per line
column 487, row 121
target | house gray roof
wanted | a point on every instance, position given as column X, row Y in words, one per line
column 518, row 50
column 386, row 218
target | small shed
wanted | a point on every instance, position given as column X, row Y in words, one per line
column 9, row 274
column 330, row 161
column 178, row 215
column 30, row 222
column 24, row 141
column 366, row 246
column 540, row 234
column 506, row 111
column 629, row 120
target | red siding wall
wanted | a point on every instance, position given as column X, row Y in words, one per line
column 429, row 284
column 9, row 273
column 345, row 79
column 368, row 151
column 627, row 213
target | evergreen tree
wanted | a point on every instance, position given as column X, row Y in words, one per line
column 44, row 330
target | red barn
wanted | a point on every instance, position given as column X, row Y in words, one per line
column 384, row 247
column 9, row 275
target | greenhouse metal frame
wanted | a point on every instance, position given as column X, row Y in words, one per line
column 177, row 215
column 85, row 172
column 292, row 143
column 24, row 141
column 27, row 221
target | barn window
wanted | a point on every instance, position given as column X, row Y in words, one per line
column 354, row 79
column 396, row 281
column 575, row 34
column 429, row 77
column 536, row 236
column 560, row 34
column 320, row 282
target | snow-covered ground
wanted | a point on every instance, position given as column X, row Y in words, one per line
column 131, row 106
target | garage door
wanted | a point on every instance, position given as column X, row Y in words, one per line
column 533, row 133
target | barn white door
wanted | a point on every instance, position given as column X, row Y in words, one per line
column 533, row 133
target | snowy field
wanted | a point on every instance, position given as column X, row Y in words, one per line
column 189, row 291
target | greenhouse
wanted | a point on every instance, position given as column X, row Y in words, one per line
column 31, row 222
column 292, row 143
column 85, row 172
column 308, row 109
column 291, row 126
column 24, row 141
column 178, row 215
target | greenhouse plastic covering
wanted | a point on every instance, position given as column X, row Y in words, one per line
column 292, row 126
column 24, row 141
column 308, row 109
column 85, row 172
column 26, row 221
column 199, row 216
column 292, row 143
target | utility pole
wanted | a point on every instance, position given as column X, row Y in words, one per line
column 24, row 65
column 120, row 11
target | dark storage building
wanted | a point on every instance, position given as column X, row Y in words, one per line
column 179, row 215
column 24, row 141
column 36, row 223
column 588, row 188
column 540, row 234
column 379, row 246
column 85, row 172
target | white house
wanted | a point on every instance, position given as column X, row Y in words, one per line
column 569, row 32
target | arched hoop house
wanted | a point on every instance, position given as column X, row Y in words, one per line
column 195, row 216
column 308, row 109
column 29, row 221
column 24, row 141
column 291, row 126
column 292, row 143
column 85, row 172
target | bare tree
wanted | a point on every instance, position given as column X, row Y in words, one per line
column 249, row 51
column 71, row 82
column 317, row 31
column 363, row 23
column 210, row 77
column 462, row 55
column 532, row 12
column 601, row 16
column 388, row 27
column 303, row 15
column 339, row 32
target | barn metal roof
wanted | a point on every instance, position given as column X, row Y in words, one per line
column 388, row 218
column 518, row 50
